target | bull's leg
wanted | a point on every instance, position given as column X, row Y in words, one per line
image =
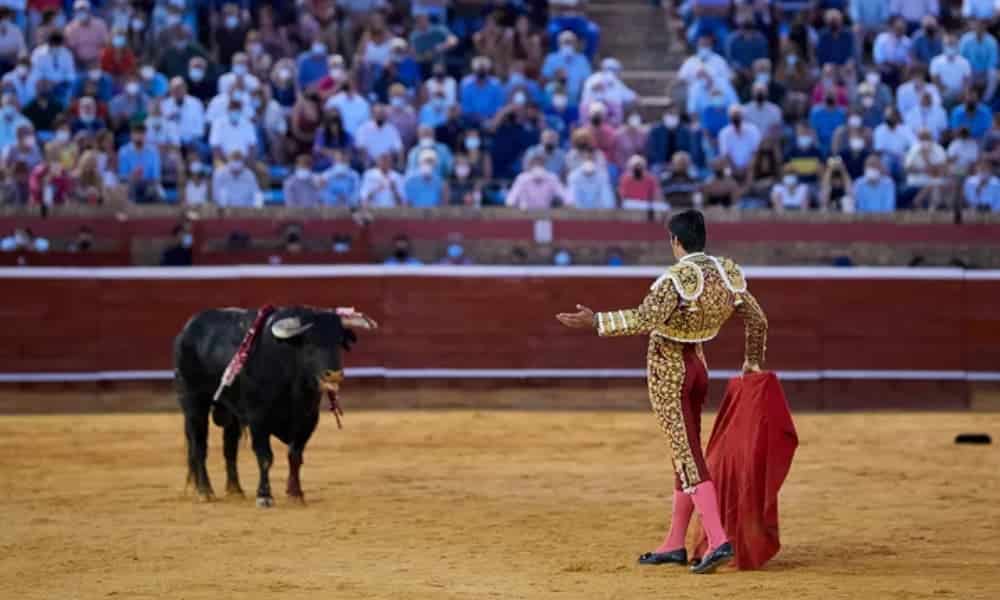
column 294, row 488
column 196, row 430
column 230, row 448
column 261, row 440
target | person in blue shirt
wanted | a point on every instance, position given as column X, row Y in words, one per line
column 972, row 115
column 516, row 128
column 715, row 115
column 425, row 188
column 745, row 45
column 517, row 81
column 105, row 85
column 139, row 165
column 836, row 44
column 980, row 49
column 341, row 183
column 154, row 84
column 312, row 65
column 481, row 95
column 928, row 43
column 569, row 61
column 670, row 136
column 825, row 119
column 874, row 192
column 434, row 112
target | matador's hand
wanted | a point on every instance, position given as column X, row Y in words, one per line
column 583, row 319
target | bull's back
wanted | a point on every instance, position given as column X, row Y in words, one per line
column 206, row 344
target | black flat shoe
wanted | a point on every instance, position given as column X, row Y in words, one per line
column 715, row 559
column 677, row 557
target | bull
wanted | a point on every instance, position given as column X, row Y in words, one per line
column 294, row 359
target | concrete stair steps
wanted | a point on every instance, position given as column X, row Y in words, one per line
column 649, row 83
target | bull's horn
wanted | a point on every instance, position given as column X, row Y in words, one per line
column 353, row 319
column 289, row 327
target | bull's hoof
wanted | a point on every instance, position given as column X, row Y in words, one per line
column 297, row 499
column 265, row 501
column 235, row 491
column 206, row 497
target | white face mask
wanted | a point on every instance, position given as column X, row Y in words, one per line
column 560, row 102
column 22, row 70
column 671, row 120
column 62, row 135
column 196, row 74
column 635, row 121
column 589, row 167
column 804, row 141
column 426, row 142
column 302, row 172
column 239, row 69
column 232, row 21
column 873, row 174
column 472, row 143
column 873, row 79
column 854, row 121
column 520, row 99
column 567, row 49
column 462, row 170
column 867, row 101
column 426, row 169
column 132, row 88
column 538, row 171
column 319, row 48
column 857, row 144
column 236, row 165
column 790, row 180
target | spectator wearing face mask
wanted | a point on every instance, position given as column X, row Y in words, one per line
column 430, row 42
column 825, row 119
column 402, row 116
column 552, row 155
column 790, row 194
column 282, row 83
column 231, row 36
column 630, row 139
column 117, row 58
column 139, row 167
column 435, row 111
column 804, row 160
column 402, row 253
column 197, row 191
column 11, row 120
column 232, row 133
column 537, row 189
column 518, row 82
column 836, row 44
column 53, row 62
column 87, row 118
column 738, row 141
column 312, row 65
column 86, row 35
column 21, row 81
column 480, row 161
column 850, row 141
column 201, row 80
column 440, row 85
column 382, row 186
column 128, row 106
column 830, row 84
column 892, row 50
column 153, row 84
column 94, row 82
column 571, row 61
column 927, row 43
column 427, row 143
column 950, row 71
column 186, row 112
column 175, row 59
column 637, row 187
column 982, row 190
column 972, row 115
column 12, row 44
column 239, row 76
column 234, row 184
column 707, row 60
column 515, row 129
column 481, row 95
column 425, row 187
column 601, row 131
column 44, row 108
column 762, row 113
column 379, row 137
column 614, row 89
column 678, row 183
column 178, row 254
column 24, row 151
column 303, row 187
column 874, row 192
column 963, row 153
column 910, row 93
column 342, row 184
column 927, row 115
column 835, row 187
column 670, row 136
column 465, row 189
column 590, row 188
column 560, row 113
column 926, row 162
column 892, row 140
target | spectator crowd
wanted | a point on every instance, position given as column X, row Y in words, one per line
column 849, row 105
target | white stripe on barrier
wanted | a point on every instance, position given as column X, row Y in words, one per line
column 322, row 271
column 380, row 372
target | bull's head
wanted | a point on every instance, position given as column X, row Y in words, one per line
column 321, row 334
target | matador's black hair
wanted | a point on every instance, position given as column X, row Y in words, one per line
column 689, row 229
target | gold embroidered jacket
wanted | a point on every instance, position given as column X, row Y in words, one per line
column 690, row 303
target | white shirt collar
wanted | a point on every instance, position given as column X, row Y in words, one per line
column 691, row 256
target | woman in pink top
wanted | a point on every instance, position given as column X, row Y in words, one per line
column 537, row 188
column 637, row 184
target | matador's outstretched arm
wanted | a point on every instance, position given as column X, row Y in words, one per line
column 655, row 309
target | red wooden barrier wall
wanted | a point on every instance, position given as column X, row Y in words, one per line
column 88, row 325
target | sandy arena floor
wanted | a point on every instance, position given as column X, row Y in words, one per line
column 479, row 505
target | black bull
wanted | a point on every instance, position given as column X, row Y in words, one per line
column 294, row 359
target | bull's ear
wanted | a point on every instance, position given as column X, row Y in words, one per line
column 348, row 340
column 289, row 327
column 352, row 319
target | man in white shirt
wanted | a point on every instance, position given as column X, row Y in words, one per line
column 233, row 133
column 160, row 131
column 235, row 184
column 379, row 137
column 926, row 163
column 738, row 141
column 892, row 140
column 892, row 47
column 927, row 115
column 908, row 95
column 381, row 186
column 707, row 58
column 354, row 109
column 22, row 80
column 239, row 76
column 950, row 71
column 615, row 89
column 186, row 112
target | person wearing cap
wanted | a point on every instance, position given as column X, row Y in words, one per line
column 738, row 141
column 233, row 132
column 571, row 61
column 139, row 167
column 427, row 143
column 234, row 183
column 481, row 95
column 86, row 35
column 426, row 187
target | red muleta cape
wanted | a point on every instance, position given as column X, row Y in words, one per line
column 749, row 456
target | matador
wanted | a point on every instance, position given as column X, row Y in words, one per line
column 685, row 308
